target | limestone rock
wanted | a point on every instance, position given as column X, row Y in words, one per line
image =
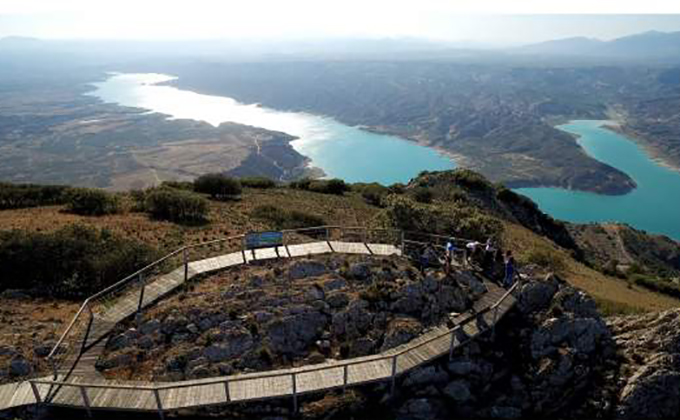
column 306, row 268
column 292, row 334
column 401, row 330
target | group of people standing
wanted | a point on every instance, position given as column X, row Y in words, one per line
column 493, row 262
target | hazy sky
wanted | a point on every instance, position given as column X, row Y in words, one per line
column 489, row 21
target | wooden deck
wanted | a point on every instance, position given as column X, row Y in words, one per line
column 79, row 386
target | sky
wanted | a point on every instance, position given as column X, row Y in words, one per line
column 482, row 21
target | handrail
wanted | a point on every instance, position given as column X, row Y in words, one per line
column 386, row 355
column 125, row 280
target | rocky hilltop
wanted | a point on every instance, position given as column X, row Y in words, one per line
column 580, row 342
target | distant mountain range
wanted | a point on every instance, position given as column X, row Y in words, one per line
column 653, row 44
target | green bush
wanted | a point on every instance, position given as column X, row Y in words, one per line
column 331, row 186
column 73, row 262
column 16, row 196
column 179, row 185
column 176, row 206
column 423, row 195
column 92, row 202
column 404, row 213
column 284, row 219
column 545, row 258
column 397, row 188
column 217, row 186
column 372, row 193
column 258, row 182
column 656, row 285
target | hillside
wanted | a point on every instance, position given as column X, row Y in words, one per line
column 309, row 310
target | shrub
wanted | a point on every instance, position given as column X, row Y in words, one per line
column 16, row 196
column 397, row 188
column 331, row 186
column 179, row 185
column 72, row 262
column 423, row 195
column 301, row 184
column 92, row 202
column 217, row 186
column 372, row 193
column 470, row 179
column 258, row 182
column 176, row 206
column 546, row 258
column 656, row 285
column 445, row 218
column 283, row 219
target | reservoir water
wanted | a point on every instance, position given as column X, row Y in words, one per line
column 653, row 206
column 350, row 153
column 356, row 155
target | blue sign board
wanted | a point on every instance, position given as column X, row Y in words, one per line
column 256, row 240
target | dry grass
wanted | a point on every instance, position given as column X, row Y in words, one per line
column 226, row 218
column 27, row 323
column 612, row 294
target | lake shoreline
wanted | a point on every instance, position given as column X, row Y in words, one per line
column 649, row 207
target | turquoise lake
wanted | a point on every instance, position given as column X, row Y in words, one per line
column 653, row 206
column 356, row 155
column 342, row 151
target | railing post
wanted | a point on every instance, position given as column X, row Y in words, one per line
column 159, row 404
column 86, row 400
column 36, row 393
column 403, row 239
column 54, row 368
column 453, row 339
column 328, row 234
column 295, row 401
column 141, row 294
column 394, row 374
column 345, row 378
column 226, row 391
column 185, row 257
column 243, row 250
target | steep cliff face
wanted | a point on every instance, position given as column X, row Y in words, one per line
column 649, row 347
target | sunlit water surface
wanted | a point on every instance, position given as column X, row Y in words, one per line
column 342, row 151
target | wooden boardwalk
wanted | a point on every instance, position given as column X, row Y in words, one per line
column 78, row 385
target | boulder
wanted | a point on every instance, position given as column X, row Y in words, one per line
column 458, row 391
column 235, row 342
column 43, row 350
column 20, row 367
column 428, row 375
column 292, row 334
column 150, row 326
column 422, row 409
column 362, row 346
column 537, row 295
column 653, row 392
column 399, row 331
column 452, row 299
column 462, row 367
column 354, row 321
column 469, row 280
column 360, row 271
column 334, row 284
column 337, row 299
column 119, row 342
column 315, row 293
column 410, row 300
column 306, row 268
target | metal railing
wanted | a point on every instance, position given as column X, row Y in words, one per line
column 83, row 331
column 391, row 356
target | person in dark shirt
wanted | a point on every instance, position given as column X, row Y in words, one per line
column 509, row 269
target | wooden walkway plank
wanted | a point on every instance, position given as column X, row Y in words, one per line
column 433, row 343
